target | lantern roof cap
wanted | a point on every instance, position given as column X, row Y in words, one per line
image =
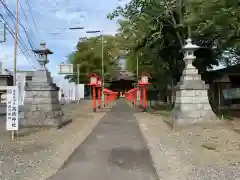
column 189, row 45
column 43, row 49
column 93, row 75
column 146, row 74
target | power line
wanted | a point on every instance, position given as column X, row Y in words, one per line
column 13, row 16
column 19, row 44
column 24, row 14
column 10, row 29
column 22, row 50
column 30, row 9
column 20, row 40
column 7, row 9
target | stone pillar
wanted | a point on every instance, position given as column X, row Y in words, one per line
column 41, row 102
column 192, row 103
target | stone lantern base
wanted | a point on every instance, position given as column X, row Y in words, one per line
column 41, row 103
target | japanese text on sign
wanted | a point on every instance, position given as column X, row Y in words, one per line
column 12, row 108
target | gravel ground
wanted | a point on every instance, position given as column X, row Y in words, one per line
column 193, row 154
column 39, row 153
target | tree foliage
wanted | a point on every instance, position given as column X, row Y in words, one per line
column 88, row 55
column 154, row 32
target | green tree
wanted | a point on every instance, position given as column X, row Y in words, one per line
column 155, row 30
column 89, row 57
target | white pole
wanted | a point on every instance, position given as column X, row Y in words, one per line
column 78, row 81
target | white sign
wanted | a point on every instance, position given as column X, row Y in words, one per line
column 65, row 69
column 231, row 93
column 80, row 91
column 12, row 108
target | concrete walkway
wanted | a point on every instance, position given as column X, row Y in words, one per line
column 115, row 150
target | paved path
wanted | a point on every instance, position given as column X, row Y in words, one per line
column 115, row 150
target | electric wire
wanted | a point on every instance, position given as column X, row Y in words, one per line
column 24, row 14
column 7, row 9
column 35, row 24
column 10, row 14
column 12, row 34
column 19, row 41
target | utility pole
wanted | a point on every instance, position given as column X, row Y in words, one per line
column 102, row 58
column 15, row 46
column 137, row 68
column 15, row 54
column 102, row 68
column 78, row 80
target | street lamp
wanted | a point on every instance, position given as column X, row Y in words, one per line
column 73, row 28
column 93, row 32
column 102, row 57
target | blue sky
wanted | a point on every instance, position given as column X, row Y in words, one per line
column 53, row 19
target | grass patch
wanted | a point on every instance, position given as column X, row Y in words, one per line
column 162, row 109
column 225, row 115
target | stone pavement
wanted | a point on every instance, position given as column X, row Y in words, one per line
column 115, row 150
column 39, row 153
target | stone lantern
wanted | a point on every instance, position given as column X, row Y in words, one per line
column 41, row 104
column 191, row 103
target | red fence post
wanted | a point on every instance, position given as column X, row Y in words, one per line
column 99, row 97
column 94, row 99
column 144, row 98
column 140, row 94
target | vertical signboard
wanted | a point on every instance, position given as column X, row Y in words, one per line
column 12, row 122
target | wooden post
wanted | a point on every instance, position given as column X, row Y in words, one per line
column 94, row 98
column 144, row 98
column 140, row 94
column 99, row 98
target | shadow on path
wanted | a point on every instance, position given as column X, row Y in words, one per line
column 115, row 150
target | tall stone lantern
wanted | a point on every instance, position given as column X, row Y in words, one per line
column 192, row 104
column 41, row 103
column 43, row 53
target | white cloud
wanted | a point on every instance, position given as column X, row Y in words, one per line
column 53, row 18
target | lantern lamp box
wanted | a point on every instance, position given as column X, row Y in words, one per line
column 93, row 80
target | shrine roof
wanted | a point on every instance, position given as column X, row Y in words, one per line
column 123, row 75
column 214, row 74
